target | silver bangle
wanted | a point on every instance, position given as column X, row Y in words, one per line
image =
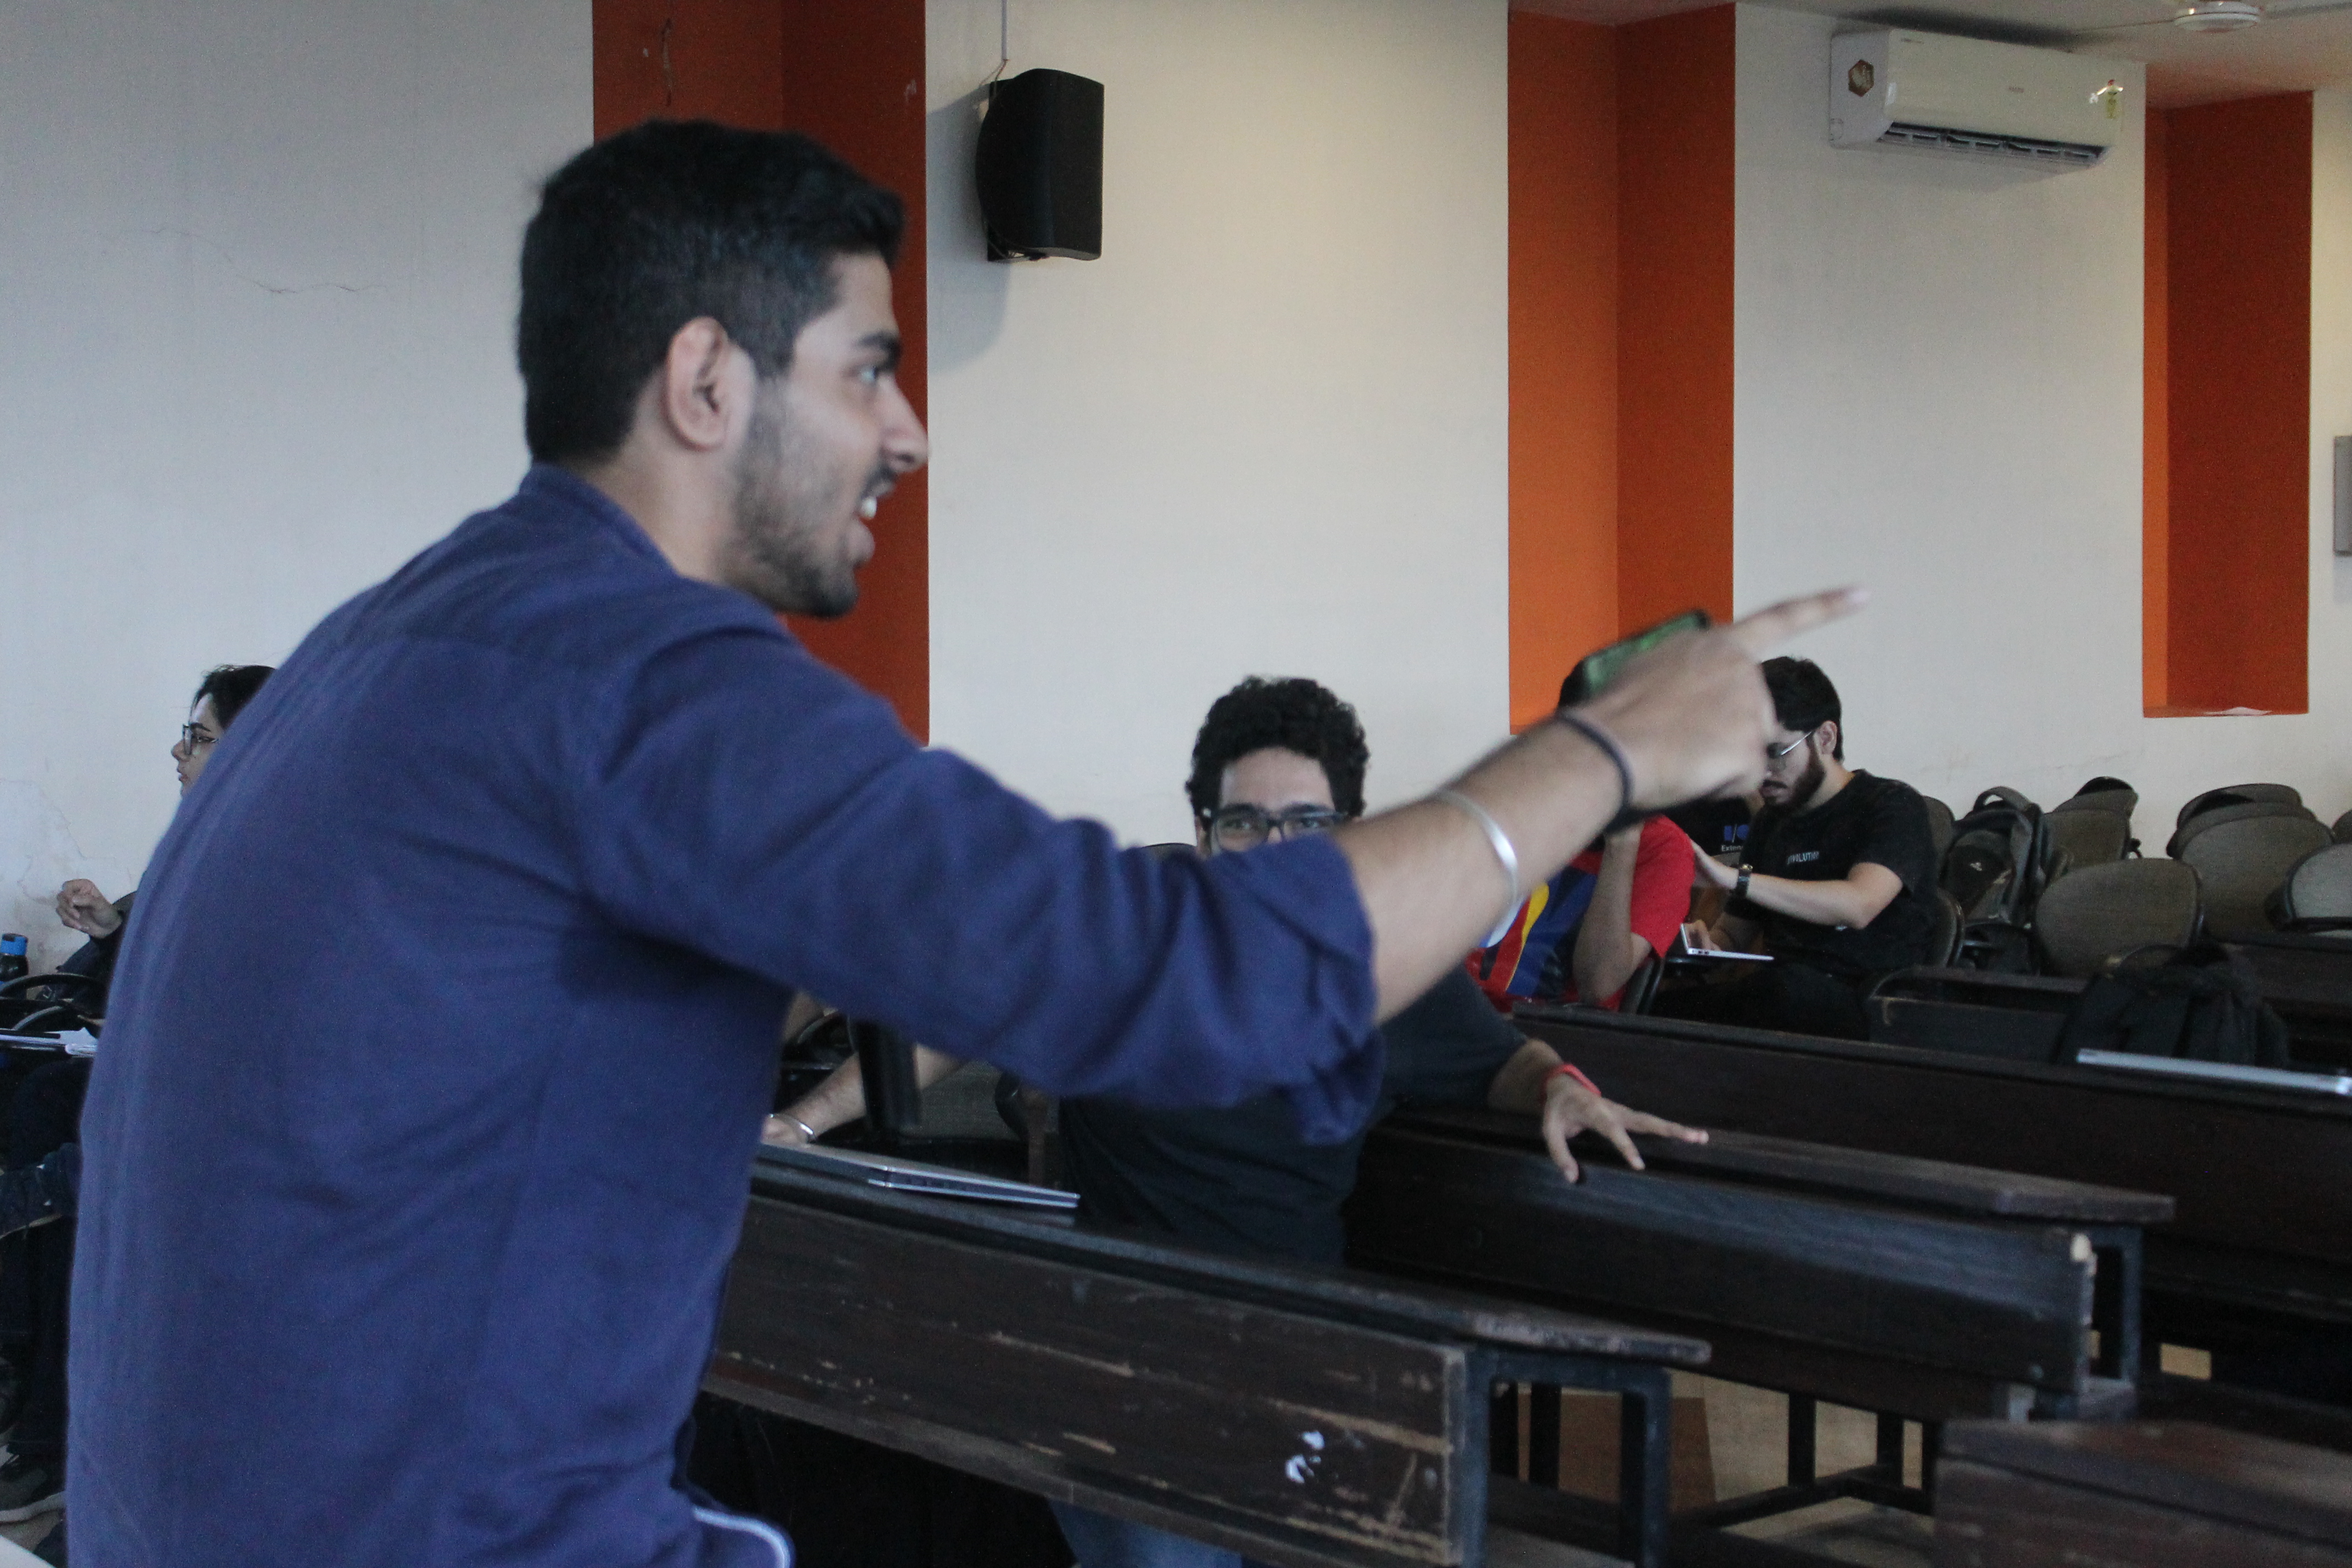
column 1500, row 842
column 807, row 1130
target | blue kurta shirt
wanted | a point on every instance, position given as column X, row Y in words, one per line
column 417, row 1146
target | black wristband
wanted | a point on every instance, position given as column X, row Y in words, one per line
column 1626, row 816
column 1740, row 889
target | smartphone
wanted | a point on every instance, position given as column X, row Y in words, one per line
column 1596, row 670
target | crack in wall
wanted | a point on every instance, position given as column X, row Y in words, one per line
column 263, row 284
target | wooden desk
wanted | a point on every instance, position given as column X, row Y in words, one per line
column 2170, row 1494
column 2262, row 1240
column 1307, row 1418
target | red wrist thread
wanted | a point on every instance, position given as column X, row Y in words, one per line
column 1570, row 1069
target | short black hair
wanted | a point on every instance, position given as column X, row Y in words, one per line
column 1804, row 698
column 231, row 687
column 1294, row 713
column 666, row 222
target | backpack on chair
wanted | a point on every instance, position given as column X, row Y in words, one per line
column 1995, row 870
column 2201, row 1002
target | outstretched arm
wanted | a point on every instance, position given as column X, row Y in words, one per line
column 1690, row 717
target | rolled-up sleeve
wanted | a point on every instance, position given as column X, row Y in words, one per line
column 737, row 798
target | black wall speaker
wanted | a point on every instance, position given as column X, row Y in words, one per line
column 1041, row 167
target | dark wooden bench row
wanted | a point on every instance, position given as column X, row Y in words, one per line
column 2262, row 1240
column 1303, row 1416
column 2307, row 980
column 2154, row 1494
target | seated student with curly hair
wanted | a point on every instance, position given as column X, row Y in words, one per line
column 1276, row 761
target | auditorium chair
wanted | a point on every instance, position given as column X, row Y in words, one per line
column 2342, row 832
column 2317, row 893
column 2243, row 861
column 2088, row 836
column 2089, row 916
column 1939, row 825
column 2279, row 794
column 1642, row 989
column 2216, row 815
column 1943, row 941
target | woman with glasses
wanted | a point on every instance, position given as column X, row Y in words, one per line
column 220, row 697
column 43, row 1111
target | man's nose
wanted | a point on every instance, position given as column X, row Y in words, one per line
column 906, row 445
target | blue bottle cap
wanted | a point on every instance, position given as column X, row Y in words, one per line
column 10, row 944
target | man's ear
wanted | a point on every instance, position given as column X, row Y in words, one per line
column 704, row 387
column 1201, row 836
column 1834, row 739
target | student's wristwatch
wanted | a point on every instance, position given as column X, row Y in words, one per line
column 1740, row 889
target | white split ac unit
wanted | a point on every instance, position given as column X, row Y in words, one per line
column 1896, row 88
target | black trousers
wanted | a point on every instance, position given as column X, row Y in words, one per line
column 1780, row 995
column 36, row 1264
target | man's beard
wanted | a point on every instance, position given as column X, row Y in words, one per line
column 1809, row 783
column 772, row 553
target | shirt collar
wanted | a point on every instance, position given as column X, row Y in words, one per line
column 553, row 488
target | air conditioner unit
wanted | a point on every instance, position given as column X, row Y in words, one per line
column 1895, row 87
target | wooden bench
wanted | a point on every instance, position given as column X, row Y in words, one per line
column 2306, row 980
column 2260, row 1245
column 1917, row 1290
column 1303, row 1416
column 2169, row 1494
column 2309, row 979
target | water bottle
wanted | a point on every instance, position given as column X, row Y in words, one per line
column 12, row 964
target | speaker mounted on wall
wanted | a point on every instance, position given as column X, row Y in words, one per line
column 1040, row 167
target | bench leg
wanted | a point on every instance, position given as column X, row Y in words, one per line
column 1890, row 1447
column 1543, row 1435
column 1645, row 1441
column 1803, row 1426
column 1502, row 1430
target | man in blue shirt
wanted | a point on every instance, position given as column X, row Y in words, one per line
column 515, row 863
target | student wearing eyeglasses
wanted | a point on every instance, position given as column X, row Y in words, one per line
column 1276, row 762
column 1838, row 884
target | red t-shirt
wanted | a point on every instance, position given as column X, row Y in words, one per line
column 1547, row 922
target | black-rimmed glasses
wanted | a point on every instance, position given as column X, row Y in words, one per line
column 195, row 736
column 1246, row 826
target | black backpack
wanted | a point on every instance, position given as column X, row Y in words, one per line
column 1995, row 870
column 2201, row 1002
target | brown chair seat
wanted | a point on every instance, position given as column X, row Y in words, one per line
column 2093, row 914
column 2241, row 862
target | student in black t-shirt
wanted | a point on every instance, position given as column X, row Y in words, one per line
column 1838, row 883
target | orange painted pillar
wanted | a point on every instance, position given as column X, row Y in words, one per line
column 1676, row 136
column 2237, row 516
column 1563, row 321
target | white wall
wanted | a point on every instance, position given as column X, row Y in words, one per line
column 1939, row 394
column 1265, row 434
column 256, row 288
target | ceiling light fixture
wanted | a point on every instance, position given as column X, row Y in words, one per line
column 2218, row 16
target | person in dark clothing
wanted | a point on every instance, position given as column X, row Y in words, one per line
column 1276, row 760
column 220, row 697
column 43, row 1179
column 1838, row 884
